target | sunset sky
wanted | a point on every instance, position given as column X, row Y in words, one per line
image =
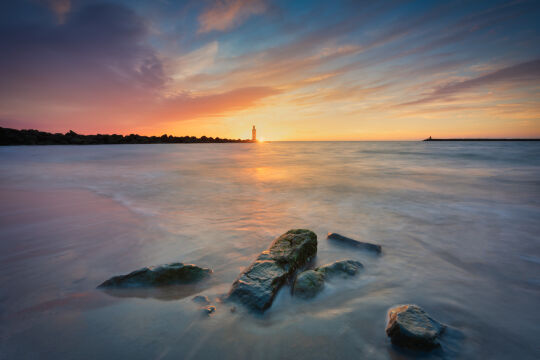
column 298, row 70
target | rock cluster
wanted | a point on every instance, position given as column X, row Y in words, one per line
column 257, row 286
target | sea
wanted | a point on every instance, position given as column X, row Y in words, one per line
column 458, row 222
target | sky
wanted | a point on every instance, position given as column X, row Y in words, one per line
column 297, row 70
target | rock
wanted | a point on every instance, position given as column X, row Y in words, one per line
column 309, row 283
column 200, row 299
column 175, row 273
column 209, row 310
column 411, row 327
column 359, row 244
column 257, row 286
column 343, row 268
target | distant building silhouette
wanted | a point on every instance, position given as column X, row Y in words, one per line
column 254, row 134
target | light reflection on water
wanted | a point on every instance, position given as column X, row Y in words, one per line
column 458, row 223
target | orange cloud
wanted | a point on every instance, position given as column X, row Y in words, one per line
column 186, row 107
column 226, row 14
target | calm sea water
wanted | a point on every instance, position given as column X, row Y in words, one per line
column 459, row 224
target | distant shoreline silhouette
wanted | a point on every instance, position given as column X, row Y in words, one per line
column 35, row 137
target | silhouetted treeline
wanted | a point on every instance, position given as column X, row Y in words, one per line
column 35, row 137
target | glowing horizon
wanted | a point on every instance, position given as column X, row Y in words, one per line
column 298, row 70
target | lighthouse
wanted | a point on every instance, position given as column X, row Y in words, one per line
column 253, row 134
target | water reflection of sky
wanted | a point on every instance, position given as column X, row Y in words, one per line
column 457, row 223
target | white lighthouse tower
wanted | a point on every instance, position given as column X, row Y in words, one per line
column 253, row 134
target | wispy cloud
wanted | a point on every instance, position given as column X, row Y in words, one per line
column 527, row 72
column 226, row 14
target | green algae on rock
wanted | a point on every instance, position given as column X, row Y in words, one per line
column 257, row 286
column 411, row 327
column 168, row 274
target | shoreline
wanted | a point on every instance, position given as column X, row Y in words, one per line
column 10, row 137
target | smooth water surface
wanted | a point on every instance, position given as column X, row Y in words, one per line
column 459, row 224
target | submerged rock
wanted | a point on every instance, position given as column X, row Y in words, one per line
column 410, row 326
column 343, row 268
column 257, row 286
column 200, row 299
column 209, row 310
column 359, row 244
column 309, row 283
column 168, row 274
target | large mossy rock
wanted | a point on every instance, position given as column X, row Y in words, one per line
column 168, row 274
column 311, row 282
column 257, row 286
column 411, row 327
column 354, row 243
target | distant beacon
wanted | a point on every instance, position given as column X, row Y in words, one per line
column 253, row 134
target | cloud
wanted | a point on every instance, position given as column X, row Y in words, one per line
column 226, row 14
column 194, row 62
column 521, row 73
column 187, row 106
column 98, row 72
column 98, row 54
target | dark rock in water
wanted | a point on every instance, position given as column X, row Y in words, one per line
column 200, row 299
column 342, row 268
column 257, row 286
column 209, row 310
column 309, row 283
column 169, row 274
column 411, row 327
column 359, row 244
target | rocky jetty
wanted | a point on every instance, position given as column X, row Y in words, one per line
column 257, row 286
column 411, row 327
column 351, row 242
column 309, row 283
column 168, row 274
